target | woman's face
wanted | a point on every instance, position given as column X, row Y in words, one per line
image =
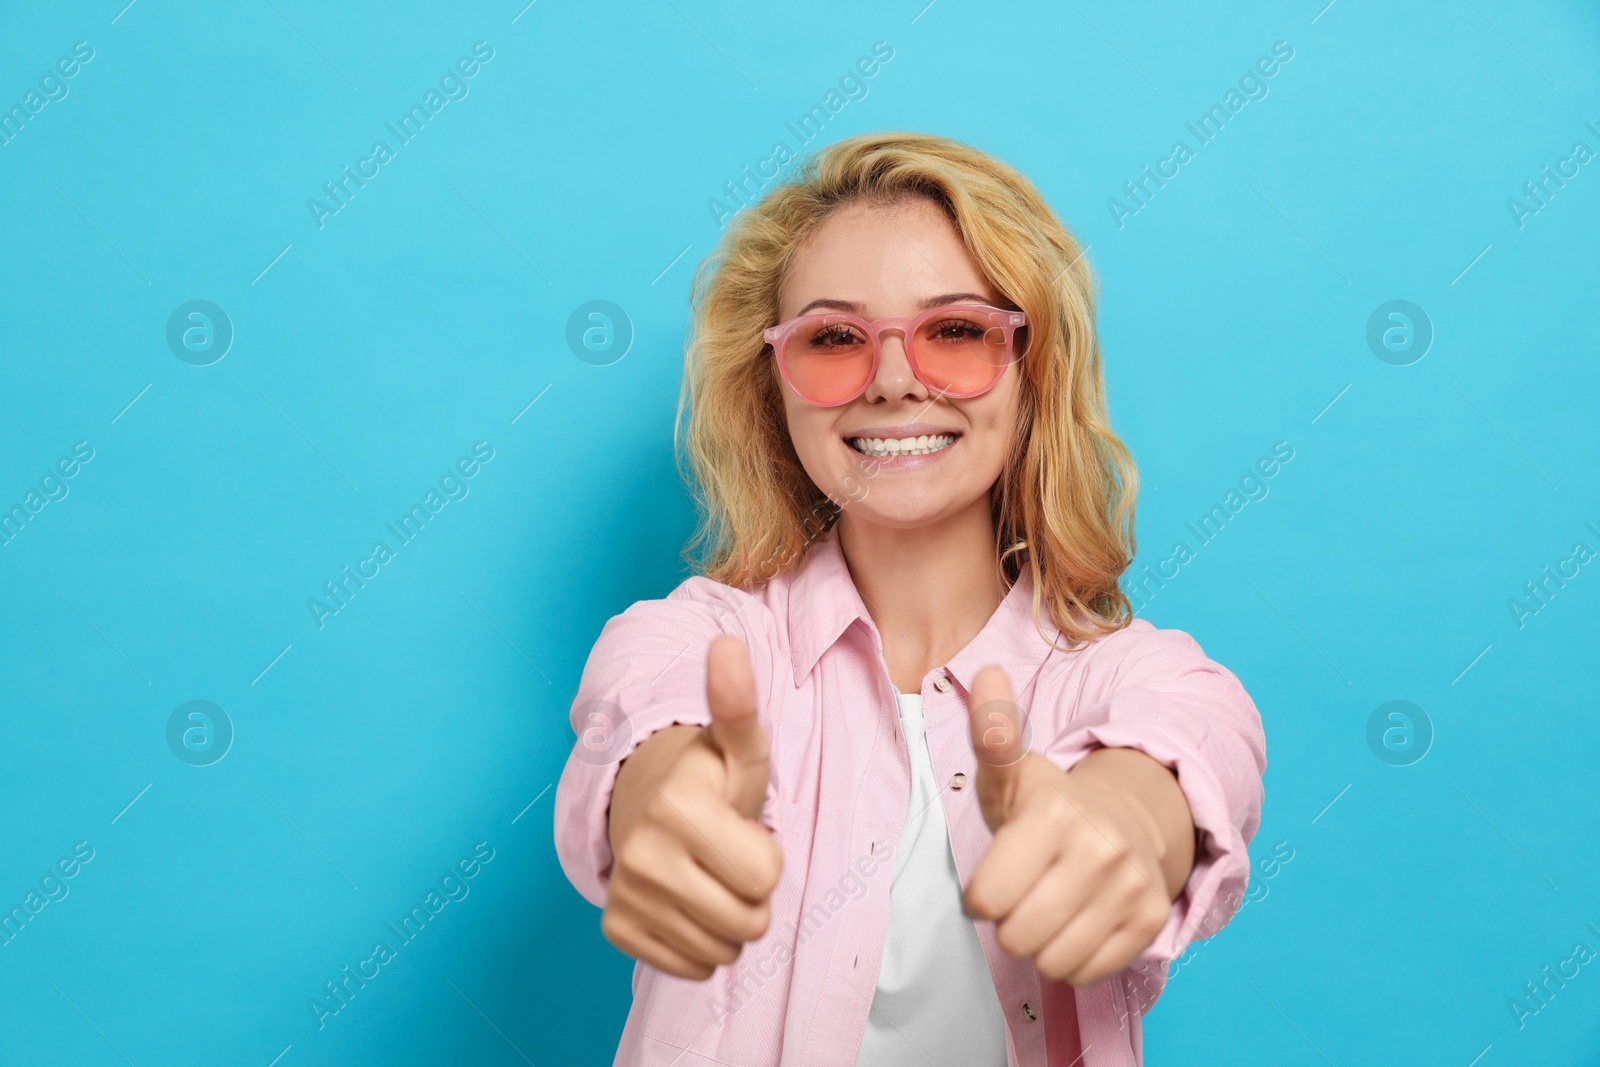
column 876, row 262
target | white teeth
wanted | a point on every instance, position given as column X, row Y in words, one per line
column 925, row 445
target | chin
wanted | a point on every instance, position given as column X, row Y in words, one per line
column 903, row 515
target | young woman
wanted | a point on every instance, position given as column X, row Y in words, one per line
column 897, row 778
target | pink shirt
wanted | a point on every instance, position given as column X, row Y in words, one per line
column 837, row 797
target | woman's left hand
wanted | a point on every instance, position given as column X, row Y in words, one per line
column 1080, row 875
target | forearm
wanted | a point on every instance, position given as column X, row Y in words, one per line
column 639, row 772
column 1152, row 793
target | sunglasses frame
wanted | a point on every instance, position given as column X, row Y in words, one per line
column 1008, row 320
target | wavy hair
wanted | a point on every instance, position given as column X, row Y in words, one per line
column 1063, row 507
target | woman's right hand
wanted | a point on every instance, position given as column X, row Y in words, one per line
column 692, row 868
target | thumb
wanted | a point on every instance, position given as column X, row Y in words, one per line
column 999, row 742
column 735, row 728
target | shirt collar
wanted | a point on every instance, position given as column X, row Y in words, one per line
column 823, row 602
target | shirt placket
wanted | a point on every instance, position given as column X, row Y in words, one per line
column 848, row 981
column 955, row 768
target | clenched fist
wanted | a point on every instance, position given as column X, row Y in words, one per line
column 692, row 868
column 1084, row 865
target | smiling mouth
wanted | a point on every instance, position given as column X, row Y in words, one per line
column 883, row 447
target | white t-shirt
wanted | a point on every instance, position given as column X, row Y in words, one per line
column 935, row 1000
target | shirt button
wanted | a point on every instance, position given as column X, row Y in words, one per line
column 942, row 683
column 958, row 781
column 1027, row 1010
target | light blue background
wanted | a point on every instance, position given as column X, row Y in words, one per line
column 429, row 714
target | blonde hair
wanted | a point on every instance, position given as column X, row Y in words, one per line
column 1063, row 506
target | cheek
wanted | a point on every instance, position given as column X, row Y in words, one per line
column 989, row 462
column 993, row 422
column 794, row 421
column 810, row 432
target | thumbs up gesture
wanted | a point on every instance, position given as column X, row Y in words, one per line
column 1079, row 875
column 693, row 869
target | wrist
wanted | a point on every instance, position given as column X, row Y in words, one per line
column 1094, row 774
column 1147, row 793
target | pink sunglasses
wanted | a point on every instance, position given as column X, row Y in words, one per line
column 956, row 350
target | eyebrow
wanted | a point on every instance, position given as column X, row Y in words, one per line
column 932, row 301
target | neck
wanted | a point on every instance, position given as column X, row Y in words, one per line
column 929, row 589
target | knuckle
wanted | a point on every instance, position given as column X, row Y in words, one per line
column 1144, row 888
column 1061, row 815
column 616, row 929
column 619, row 898
column 655, row 809
column 1112, row 858
column 1112, row 840
column 771, row 875
column 768, row 868
column 631, row 858
column 1155, row 917
column 755, row 923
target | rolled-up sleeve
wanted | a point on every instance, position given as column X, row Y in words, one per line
column 1158, row 693
column 646, row 671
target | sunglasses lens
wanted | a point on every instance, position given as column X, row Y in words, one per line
column 827, row 359
column 963, row 350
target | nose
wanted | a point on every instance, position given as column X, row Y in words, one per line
column 895, row 378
